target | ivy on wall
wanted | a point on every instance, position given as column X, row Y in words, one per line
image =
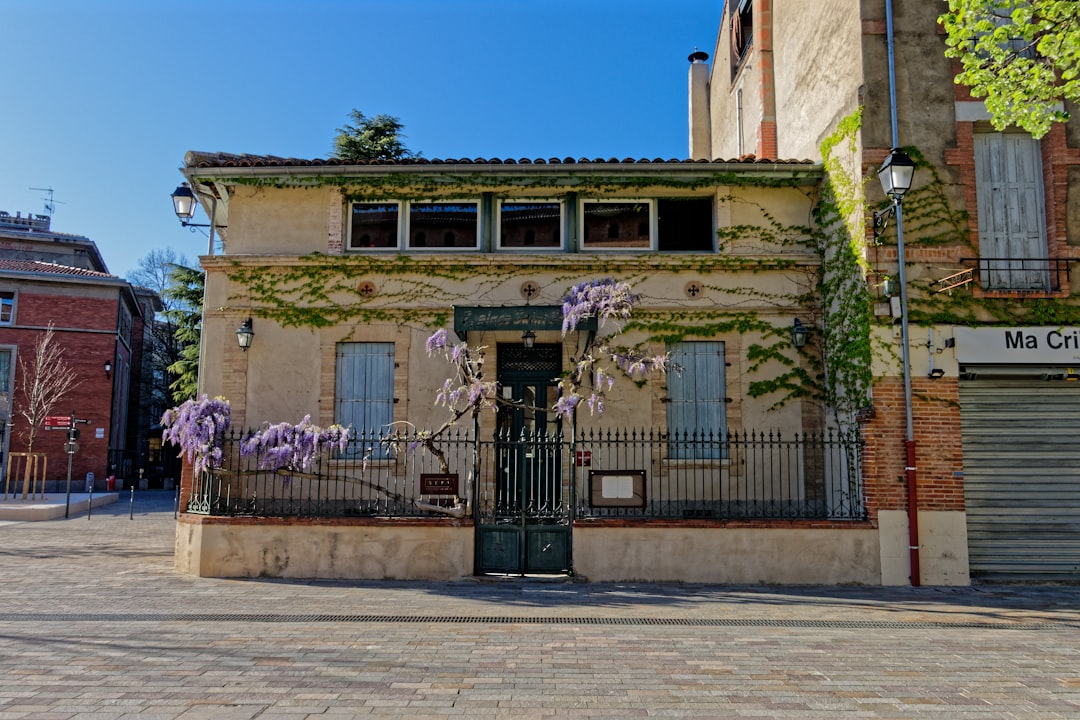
column 824, row 262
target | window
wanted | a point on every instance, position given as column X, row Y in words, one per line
column 5, row 371
column 616, row 225
column 685, row 225
column 696, row 407
column 1012, row 229
column 125, row 323
column 364, row 390
column 440, row 225
column 742, row 33
column 7, row 307
column 530, row 225
column 374, row 226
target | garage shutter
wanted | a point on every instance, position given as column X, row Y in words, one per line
column 1021, row 440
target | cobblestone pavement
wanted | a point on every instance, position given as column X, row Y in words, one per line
column 95, row 624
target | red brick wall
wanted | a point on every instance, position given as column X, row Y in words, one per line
column 86, row 353
column 938, row 453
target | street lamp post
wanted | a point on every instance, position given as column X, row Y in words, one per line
column 896, row 174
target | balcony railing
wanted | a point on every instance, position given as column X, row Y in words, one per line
column 601, row 474
column 1038, row 275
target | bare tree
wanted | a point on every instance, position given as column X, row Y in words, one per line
column 44, row 380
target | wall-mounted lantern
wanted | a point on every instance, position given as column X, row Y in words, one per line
column 244, row 335
column 799, row 334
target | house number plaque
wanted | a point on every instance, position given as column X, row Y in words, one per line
column 436, row 484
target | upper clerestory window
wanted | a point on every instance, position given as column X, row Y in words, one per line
column 530, row 224
column 444, row 225
column 374, row 226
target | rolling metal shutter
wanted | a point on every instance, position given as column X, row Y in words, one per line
column 1021, row 440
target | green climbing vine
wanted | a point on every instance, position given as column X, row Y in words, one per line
column 823, row 263
column 845, row 302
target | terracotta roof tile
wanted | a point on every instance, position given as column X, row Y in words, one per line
column 195, row 159
column 44, row 268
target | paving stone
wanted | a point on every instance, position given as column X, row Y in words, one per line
column 96, row 624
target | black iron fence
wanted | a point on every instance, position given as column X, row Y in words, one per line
column 599, row 474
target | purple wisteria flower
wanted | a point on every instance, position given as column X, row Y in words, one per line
column 602, row 298
column 198, row 428
column 294, row 447
column 437, row 341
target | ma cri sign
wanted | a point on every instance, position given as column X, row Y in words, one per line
column 1036, row 345
column 1054, row 340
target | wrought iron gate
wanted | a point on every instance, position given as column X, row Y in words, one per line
column 524, row 500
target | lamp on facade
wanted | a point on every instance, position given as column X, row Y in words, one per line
column 244, row 334
column 799, row 334
column 184, row 204
column 895, row 174
column 528, row 339
column 108, row 368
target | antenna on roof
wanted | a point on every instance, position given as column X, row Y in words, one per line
column 50, row 204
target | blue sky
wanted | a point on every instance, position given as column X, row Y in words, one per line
column 101, row 99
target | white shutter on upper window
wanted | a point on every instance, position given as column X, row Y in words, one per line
column 1012, row 229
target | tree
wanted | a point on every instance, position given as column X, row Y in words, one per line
column 45, row 379
column 155, row 272
column 1023, row 56
column 185, row 292
column 377, row 138
column 588, row 381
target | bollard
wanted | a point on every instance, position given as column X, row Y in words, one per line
column 90, row 501
column 131, row 506
column 176, row 503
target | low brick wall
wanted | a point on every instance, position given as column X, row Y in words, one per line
column 730, row 555
column 331, row 549
column 795, row 553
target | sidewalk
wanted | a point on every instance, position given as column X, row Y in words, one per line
column 94, row 623
column 50, row 506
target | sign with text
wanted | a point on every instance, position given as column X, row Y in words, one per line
column 439, row 484
column 1018, row 345
column 57, row 422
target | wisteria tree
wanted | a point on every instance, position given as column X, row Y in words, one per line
column 597, row 363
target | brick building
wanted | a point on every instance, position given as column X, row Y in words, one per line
column 989, row 238
column 99, row 320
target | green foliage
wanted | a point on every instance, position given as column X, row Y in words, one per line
column 845, row 300
column 377, row 138
column 185, row 293
column 1021, row 55
column 155, row 271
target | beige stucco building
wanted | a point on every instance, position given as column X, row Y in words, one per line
column 347, row 270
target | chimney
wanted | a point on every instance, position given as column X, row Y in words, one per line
column 700, row 121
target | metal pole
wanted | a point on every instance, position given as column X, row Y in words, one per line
column 90, row 503
column 131, row 506
column 909, row 429
column 213, row 220
column 67, row 503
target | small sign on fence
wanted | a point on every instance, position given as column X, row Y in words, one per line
column 617, row 488
column 583, row 458
column 439, row 484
